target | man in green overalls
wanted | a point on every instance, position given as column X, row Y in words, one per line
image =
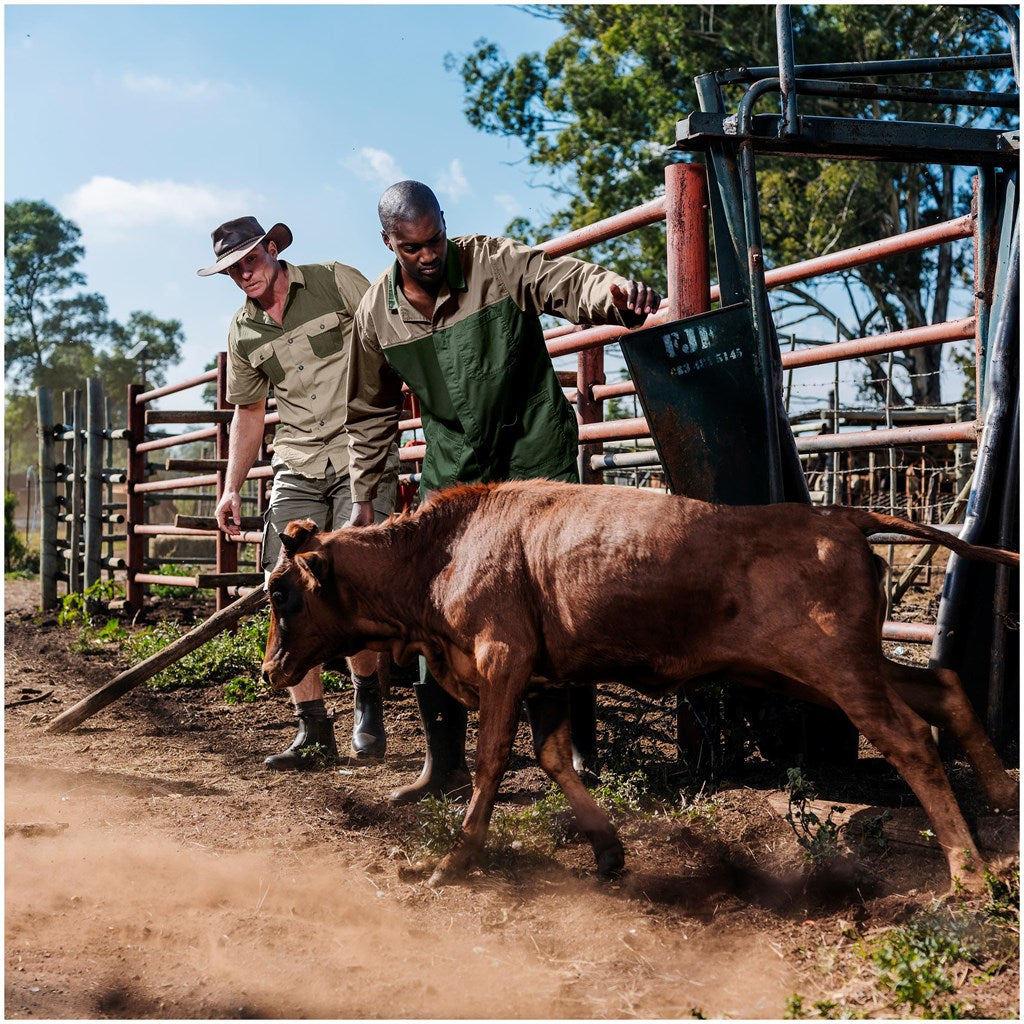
column 458, row 320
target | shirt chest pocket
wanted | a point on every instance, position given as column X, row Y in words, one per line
column 326, row 335
column 265, row 359
column 485, row 344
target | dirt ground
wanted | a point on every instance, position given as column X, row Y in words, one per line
column 155, row 869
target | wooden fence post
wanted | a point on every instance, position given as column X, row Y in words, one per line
column 94, row 483
column 227, row 551
column 47, row 500
column 136, row 513
column 75, row 476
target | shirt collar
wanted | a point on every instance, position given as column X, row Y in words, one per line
column 295, row 280
column 454, row 276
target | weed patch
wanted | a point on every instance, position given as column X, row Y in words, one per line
column 229, row 658
column 78, row 611
column 819, row 839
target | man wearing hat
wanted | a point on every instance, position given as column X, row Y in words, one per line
column 294, row 333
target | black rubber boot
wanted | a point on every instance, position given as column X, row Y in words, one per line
column 369, row 741
column 314, row 745
column 445, row 772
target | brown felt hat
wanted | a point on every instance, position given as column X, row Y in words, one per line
column 233, row 239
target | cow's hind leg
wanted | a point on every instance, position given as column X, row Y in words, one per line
column 548, row 710
column 937, row 695
column 905, row 740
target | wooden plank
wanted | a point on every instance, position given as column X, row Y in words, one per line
column 188, row 416
column 210, row 523
column 203, row 465
column 230, row 579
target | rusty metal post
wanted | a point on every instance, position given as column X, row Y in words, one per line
column 136, row 512
column 686, row 240
column 227, row 552
column 589, row 373
column 689, row 293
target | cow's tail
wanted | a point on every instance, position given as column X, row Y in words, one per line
column 877, row 522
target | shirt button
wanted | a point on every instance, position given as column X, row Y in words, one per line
column 290, row 340
column 321, row 423
column 312, row 396
column 301, row 367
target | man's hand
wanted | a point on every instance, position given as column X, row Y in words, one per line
column 362, row 514
column 635, row 296
column 229, row 513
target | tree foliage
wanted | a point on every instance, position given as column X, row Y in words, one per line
column 58, row 338
column 597, row 115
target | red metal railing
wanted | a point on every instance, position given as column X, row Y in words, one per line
column 684, row 209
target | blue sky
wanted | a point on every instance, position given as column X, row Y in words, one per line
column 149, row 125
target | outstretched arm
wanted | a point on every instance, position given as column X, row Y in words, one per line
column 564, row 286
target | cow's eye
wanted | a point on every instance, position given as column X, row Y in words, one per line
column 277, row 598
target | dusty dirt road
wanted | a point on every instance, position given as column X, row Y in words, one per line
column 154, row 869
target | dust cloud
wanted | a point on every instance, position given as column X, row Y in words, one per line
column 112, row 916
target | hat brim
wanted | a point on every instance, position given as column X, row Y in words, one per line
column 279, row 234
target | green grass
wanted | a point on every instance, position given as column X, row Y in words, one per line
column 229, row 658
column 539, row 829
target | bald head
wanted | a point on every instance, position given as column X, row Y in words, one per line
column 407, row 201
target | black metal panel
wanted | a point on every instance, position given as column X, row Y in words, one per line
column 855, row 138
column 700, row 384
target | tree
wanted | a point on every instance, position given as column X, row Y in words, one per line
column 597, row 113
column 50, row 335
column 141, row 350
column 57, row 337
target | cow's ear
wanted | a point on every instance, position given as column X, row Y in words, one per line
column 315, row 568
column 297, row 533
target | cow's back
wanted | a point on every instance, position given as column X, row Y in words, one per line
column 612, row 583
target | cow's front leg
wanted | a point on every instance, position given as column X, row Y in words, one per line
column 499, row 718
column 548, row 710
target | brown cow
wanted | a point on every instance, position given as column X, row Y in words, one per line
column 508, row 589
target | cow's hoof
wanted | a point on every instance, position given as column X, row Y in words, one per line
column 443, row 876
column 611, row 863
column 450, row 871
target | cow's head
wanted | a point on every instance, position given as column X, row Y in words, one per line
column 307, row 620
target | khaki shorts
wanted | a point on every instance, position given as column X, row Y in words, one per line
column 326, row 500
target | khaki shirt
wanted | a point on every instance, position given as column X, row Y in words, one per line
column 305, row 358
column 491, row 403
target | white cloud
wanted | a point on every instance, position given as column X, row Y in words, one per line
column 175, row 88
column 508, row 203
column 108, row 208
column 374, row 165
column 452, row 182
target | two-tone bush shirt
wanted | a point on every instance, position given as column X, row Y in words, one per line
column 306, row 359
column 491, row 403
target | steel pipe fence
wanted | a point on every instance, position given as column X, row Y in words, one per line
column 80, row 443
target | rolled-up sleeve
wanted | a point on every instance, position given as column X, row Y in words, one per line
column 559, row 285
column 373, row 406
